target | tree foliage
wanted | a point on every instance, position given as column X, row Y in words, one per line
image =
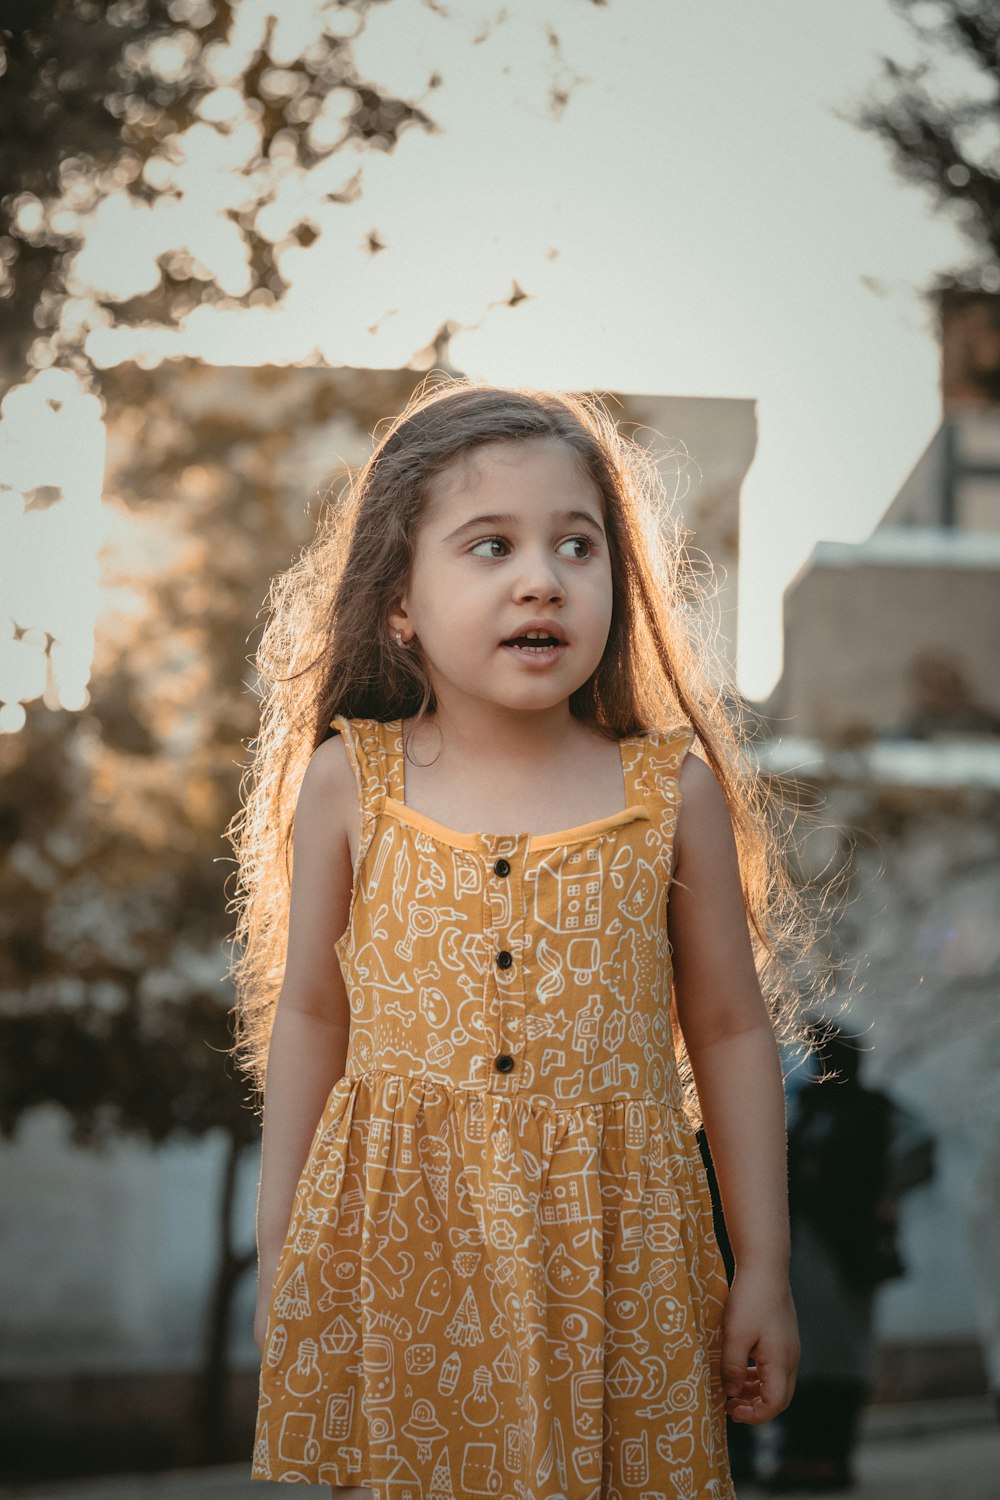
column 99, row 99
column 948, row 145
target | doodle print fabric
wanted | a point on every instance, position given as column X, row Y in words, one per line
column 500, row 1276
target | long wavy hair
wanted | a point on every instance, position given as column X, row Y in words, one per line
column 327, row 649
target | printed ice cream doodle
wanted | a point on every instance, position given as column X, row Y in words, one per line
column 435, row 1158
column 441, row 1487
column 557, row 1025
column 434, row 1296
column 261, row 1465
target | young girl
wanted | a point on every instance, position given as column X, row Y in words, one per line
column 487, row 1264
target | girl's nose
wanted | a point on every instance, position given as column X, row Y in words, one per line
column 539, row 580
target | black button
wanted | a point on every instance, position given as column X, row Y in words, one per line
column 501, row 867
column 504, row 959
column 504, row 1063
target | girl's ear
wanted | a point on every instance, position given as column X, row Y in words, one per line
column 399, row 619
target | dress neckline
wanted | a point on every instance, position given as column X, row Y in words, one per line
column 578, row 833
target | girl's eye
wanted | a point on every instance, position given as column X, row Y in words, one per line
column 488, row 541
column 499, row 541
column 574, row 541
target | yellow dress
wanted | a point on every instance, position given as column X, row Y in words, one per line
column 501, row 1276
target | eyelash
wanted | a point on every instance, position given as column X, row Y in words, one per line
column 580, row 538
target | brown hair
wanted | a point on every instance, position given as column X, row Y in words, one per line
column 327, row 650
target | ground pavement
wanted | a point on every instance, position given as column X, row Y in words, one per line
column 945, row 1450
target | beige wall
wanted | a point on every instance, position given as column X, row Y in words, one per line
column 858, row 630
column 705, row 446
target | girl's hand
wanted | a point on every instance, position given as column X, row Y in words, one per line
column 759, row 1321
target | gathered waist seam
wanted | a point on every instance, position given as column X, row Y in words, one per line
column 527, row 1099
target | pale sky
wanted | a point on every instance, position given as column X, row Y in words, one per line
column 697, row 223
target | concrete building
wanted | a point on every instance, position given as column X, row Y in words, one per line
column 889, row 704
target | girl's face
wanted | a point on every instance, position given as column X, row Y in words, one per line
column 512, row 540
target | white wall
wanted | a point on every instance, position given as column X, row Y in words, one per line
column 106, row 1256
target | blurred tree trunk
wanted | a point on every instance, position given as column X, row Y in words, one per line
column 211, row 1415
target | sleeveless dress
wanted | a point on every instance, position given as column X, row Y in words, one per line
column 500, row 1276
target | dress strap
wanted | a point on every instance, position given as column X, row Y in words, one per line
column 365, row 742
column 393, row 758
column 652, row 763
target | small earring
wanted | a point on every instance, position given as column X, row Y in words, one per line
column 399, row 637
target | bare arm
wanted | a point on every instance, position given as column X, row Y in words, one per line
column 734, row 1059
column 311, row 1029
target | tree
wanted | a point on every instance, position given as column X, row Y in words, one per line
column 104, row 102
column 99, row 99
column 949, row 147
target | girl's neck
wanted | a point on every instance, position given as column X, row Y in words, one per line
column 492, row 733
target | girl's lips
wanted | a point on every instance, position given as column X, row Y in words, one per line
column 538, row 656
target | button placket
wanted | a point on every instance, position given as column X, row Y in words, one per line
column 504, row 931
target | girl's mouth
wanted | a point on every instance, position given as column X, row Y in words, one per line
column 534, row 652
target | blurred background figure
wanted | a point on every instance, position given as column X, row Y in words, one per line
column 852, row 1154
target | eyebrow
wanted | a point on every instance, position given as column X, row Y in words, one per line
column 507, row 520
